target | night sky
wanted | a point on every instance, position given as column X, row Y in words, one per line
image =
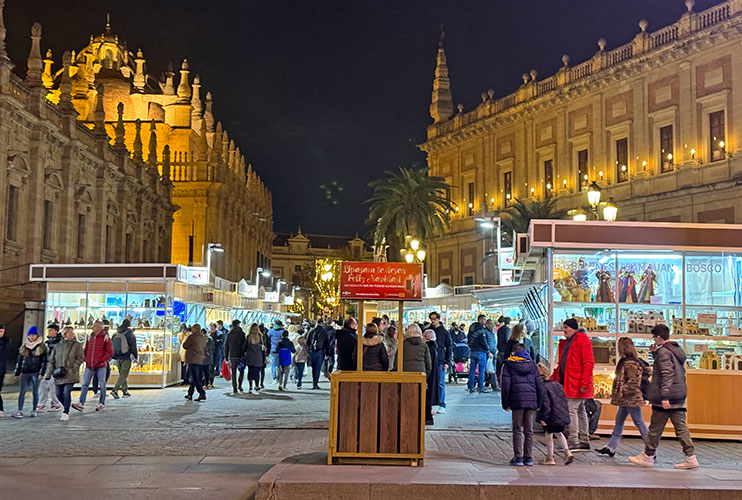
column 319, row 91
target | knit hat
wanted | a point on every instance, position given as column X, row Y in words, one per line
column 572, row 323
column 2, row 327
column 53, row 326
column 32, row 331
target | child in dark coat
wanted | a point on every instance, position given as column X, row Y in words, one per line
column 554, row 416
column 521, row 392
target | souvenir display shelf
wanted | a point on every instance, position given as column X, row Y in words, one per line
column 624, row 293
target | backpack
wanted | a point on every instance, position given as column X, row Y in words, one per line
column 646, row 376
column 284, row 357
column 120, row 343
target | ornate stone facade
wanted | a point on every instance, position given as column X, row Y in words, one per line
column 654, row 122
column 166, row 120
column 68, row 195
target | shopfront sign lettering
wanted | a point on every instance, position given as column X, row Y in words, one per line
column 381, row 281
column 708, row 267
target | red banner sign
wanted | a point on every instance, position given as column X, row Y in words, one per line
column 381, row 281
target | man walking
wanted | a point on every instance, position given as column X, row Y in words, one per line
column 234, row 349
column 98, row 350
column 124, row 354
column 445, row 354
column 667, row 392
column 575, row 373
column 347, row 341
column 48, row 388
column 219, row 334
column 478, row 352
column 195, row 348
column 319, row 351
column 275, row 335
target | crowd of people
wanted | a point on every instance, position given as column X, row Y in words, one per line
column 499, row 356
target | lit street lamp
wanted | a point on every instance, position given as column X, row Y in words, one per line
column 610, row 210
column 593, row 198
column 492, row 223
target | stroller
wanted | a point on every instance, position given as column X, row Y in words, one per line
column 461, row 360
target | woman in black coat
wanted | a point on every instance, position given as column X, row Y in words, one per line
column 432, row 394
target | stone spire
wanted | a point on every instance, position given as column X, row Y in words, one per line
column 35, row 64
column 47, row 79
column 139, row 79
column 441, row 105
column 184, row 88
column 152, row 159
column 169, row 89
column 166, row 164
column 3, row 53
column 216, row 144
column 196, row 103
column 119, row 132
column 230, row 155
column 99, row 115
column 65, row 83
column 137, row 153
column 208, row 114
column 203, row 144
column 225, row 147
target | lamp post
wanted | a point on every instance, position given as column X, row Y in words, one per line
column 593, row 198
column 610, row 210
column 493, row 223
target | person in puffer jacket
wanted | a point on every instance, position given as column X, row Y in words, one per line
column 554, row 417
column 667, row 392
column 521, row 393
column 98, row 351
column 30, row 369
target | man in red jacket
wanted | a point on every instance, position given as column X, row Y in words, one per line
column 98, row 351
column 575, row 373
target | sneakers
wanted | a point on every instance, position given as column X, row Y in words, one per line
column 201, row 398
column 114, row 394
column 189, row 397
column 77, row 406
column 100, row 407
column 690, row 462
column 314, row 387
column 34, row 414
column 606, row 451
column 528, row 461
column 41, row 407
column 579, row 448
column 645, row 460
column 516, row 462
column 18, row 414
column 127, row 395
column 569, row 458
column 249, row 391
column 547, row 461
column 64, row 417
column 441, row 410
column 2, row 414
column 483, row 391
column 55, row 407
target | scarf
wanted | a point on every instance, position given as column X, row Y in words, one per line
column 32, row 345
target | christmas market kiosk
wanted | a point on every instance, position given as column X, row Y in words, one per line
column 619, row 279
column 378, row 417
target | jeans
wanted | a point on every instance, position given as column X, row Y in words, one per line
column 96, row 383
column 283, row 375
column 657, row 426
column 442, row 385
column 64, row 394
column 329, row 365
column 299, row 373
column 316, row 358
column 478, row 360
column 218, row 362
column 208, row 375
column 274, row 366
column 196, row 374
column 578, row 425
column 48, row 390
column 523, row 433
column 124, row 366
column 550, row 443
column 27, row 379
column 621, row 413
column 86, row 376
column 233, row 368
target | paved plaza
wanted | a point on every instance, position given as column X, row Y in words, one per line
column 157, row 445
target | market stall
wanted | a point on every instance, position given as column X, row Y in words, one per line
column 622, row 278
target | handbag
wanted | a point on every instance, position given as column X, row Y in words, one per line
column 61, row 371
column 225, row 371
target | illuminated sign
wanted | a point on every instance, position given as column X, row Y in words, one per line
column 381, row 281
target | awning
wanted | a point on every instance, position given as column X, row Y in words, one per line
column 506, row 295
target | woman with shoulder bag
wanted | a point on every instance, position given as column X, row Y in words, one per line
column 627, row 394
column 64, row 366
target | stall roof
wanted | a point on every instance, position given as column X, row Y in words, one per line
column 511, row 295
column 103, row 272
column 631, row 235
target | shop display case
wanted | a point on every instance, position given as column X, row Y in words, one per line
column 625, row 293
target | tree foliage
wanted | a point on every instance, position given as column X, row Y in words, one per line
column 517, row 217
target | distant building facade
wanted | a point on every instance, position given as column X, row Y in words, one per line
column 655, row 122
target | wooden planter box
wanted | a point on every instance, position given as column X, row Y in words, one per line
column 377, row 418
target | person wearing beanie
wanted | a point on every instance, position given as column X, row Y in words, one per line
column 575, row 372
column 4, row 345
column 32, row 360
column 48, row 388
column 124, row 354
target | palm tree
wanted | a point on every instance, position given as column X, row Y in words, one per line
column 409, row 202
column 517, row 217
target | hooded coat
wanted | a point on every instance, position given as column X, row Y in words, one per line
column 235, row 344
column 67, row 353
column 416, row 356
column 375, row 357
column 347, row 341
column 554, row 410
column 98, row 350
column 578, row 370
column 521, row 385
column 626, row 390
column 433, row 390
column 668, row 376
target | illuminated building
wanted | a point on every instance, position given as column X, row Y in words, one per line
column 654, row 122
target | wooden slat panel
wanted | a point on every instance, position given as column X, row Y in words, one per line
column 389, row 418
column 348, row 417
column 367, row 439
column 409, row 419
